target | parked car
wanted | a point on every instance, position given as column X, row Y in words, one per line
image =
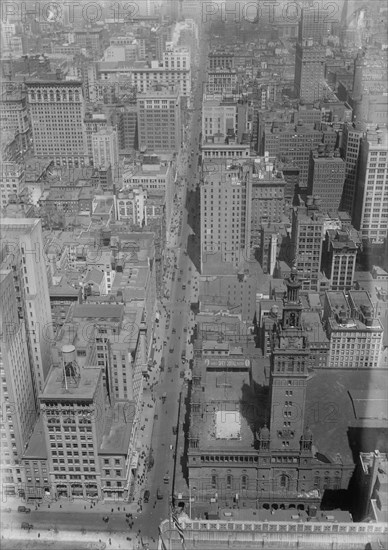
column 24, row 509
column 166, row 478
column 146, row 495
column 27, row 526
column 159, row 494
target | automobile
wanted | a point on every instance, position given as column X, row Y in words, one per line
column 179, row 279
column 159, row 494
column 171, row 350
column 146, row 495
column 27, row 526
column 182, row 374
column 173, row 330
column 183, row 287
column 106, row 519
column 166, row 479
column 24, row 509
column 185, row 329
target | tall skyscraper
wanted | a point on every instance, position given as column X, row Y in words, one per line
column 370, row 214
column 57, row 110
column 309, row 70
column 307, row 238
column 351, row 139
column 14, row 116
column 23, row 253
column 73, row 405
column 339, row 259
column 226, row 196
column 16, row 389
column 159, row 121
column 105, row 148
column 326, row 178
column 314, row 23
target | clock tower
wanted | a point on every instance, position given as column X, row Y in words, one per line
column 288, row 379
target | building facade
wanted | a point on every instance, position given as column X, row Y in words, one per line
column 226, row 195
column 24, row 254
column 16, row 390
column 57, row 111
column 371, row 207
column 326, row 178
column 105, row 148
column 307, row 238
column 309, row 70
column 355, row 333
column 159, row 120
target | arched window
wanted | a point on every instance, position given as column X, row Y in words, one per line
column 244, row 482
column 284, row 480
column 229, row 481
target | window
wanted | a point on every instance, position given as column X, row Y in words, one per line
column 214, row 481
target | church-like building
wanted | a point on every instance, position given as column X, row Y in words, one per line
column 253, row 430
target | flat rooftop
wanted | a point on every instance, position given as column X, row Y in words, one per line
column 36, row 448
column 108, row 312
column 85, row 387
column 117, row 434
column 330, row 414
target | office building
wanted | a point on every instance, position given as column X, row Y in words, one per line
column 223, row 117
column 314, row 24
column 131, row 207
column 371, row 203
column 16, row 391
column 220, row 60
column 159, row 121
column 57, row 110
column 351, row 141
column 309, row 71
column 326, row 178
column 127, row 128
column 294, row 143
column 222, row 81
column 355, row 333
column 307, row 237
column 268, row 186
column 105, row 148
column 23, row 252
column 12, row 178
column 339, row 258
column 72, row 405
column 226, row 197
column 94, row 122
column 14, row 116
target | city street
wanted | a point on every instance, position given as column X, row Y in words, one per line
column 174, row 333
